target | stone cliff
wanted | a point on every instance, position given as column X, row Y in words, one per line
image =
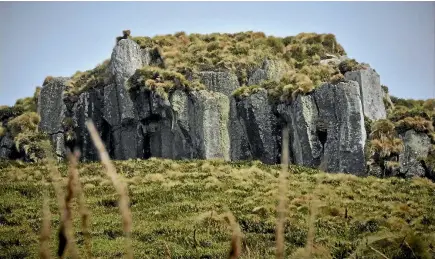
column 229, row 96
column 326, row 125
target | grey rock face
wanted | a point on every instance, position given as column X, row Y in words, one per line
column 90, row 106
column 261, row 127
column 327, row 128
column 270, row 70
column 119, row 109
column 222, row 82
column 51, row 106
column 126, row 58
column 239, row 144
column 6, row 146
column 52, row 111
column 371, row 92
column 340, row 108
column 209, row 115
column 416, row 145
column 302, row 116
column 333, row 60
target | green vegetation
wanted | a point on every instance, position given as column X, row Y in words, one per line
column 181, row 205
column 161, row 81
column 21, row 122
column 244, row 52
column 240, row 53
column 82, row 81
column 385, row 146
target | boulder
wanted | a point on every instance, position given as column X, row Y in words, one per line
column 222, row 82
column 261, row 126
column 6, row 146
column 416, row 146
column 371, row 92
column 270, row 70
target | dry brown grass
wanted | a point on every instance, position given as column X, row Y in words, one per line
column 282, row 192
column 236, row 237
column 44, row 246
column 124, row 200
column 83, row 210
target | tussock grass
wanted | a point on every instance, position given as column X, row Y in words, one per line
column 351, row 213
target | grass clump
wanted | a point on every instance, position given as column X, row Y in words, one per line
column 82, row 81
column 417, row 123
column 2, row 131
column 27, row 138
column 162, row 81
column 384, row 145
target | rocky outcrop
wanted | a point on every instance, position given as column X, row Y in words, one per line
column 222, row 82
column 416, row 146
column 52, row 111
column 270, row 70
column 261, row 125
column 341, row 110
column 90, row 106
column 6, row 146
column 371, row 92
column 327, row 128
column 208, row 115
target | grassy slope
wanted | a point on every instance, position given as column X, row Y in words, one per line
column 170, row 200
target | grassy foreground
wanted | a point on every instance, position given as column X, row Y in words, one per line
column 178, row 207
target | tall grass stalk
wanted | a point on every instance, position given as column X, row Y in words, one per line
column 124, row 201
column 83, row 210
column 282, row 195
column 44, row 246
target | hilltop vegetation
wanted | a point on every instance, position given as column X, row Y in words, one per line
column 180, row 205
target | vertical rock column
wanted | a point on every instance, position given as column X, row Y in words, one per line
column 370, row 91
column 52, row 111
column 118, row 107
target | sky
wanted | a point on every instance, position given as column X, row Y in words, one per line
column 58, row 38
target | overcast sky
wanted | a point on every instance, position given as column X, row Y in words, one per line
column 59, row 38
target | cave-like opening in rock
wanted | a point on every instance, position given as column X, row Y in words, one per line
column 323, row 136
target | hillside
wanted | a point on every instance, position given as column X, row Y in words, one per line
column 179, row 206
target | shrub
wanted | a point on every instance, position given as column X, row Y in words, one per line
column 161, row 81
column 7, row 112
column 384, row 143
column 27, row 122
column 385, row 89
column 126, row 33
column 417, row 123
column 349, row 65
